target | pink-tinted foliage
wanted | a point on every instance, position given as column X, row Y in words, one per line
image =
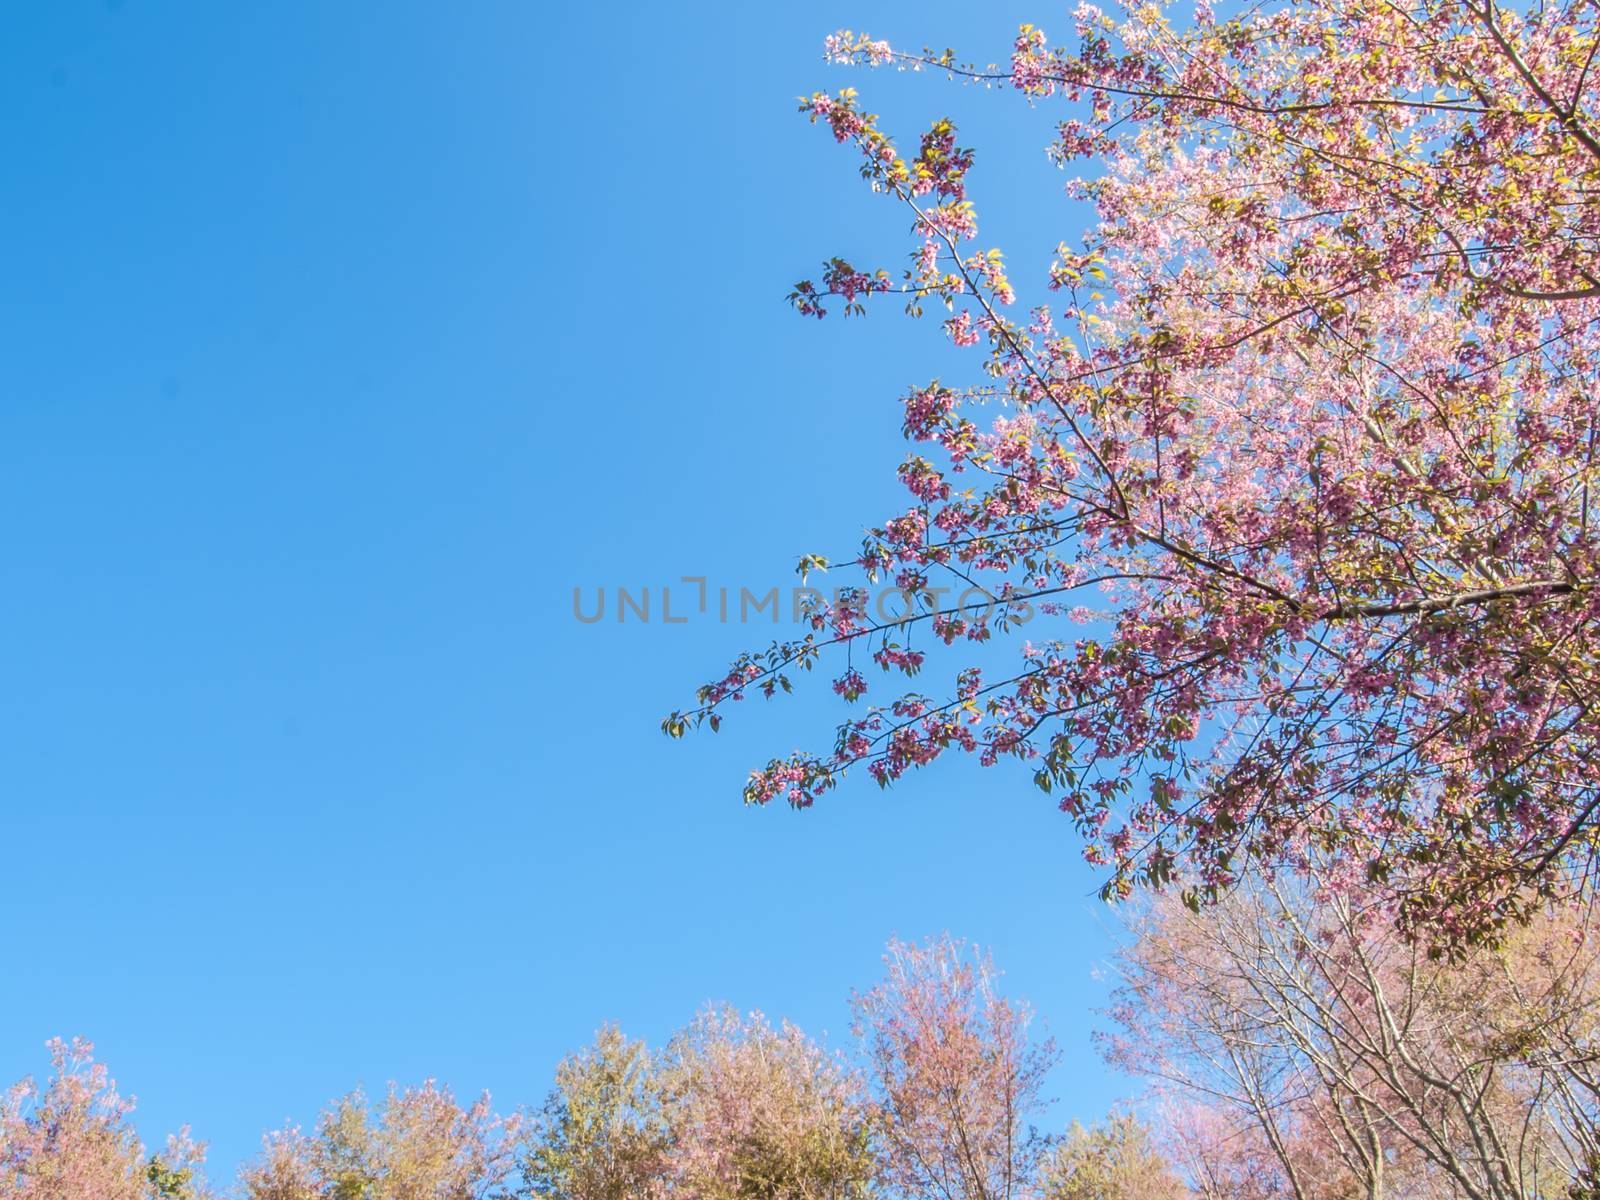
column 72, row 1140
column 955, row 1072
column 758, row 1112
column 1313, row 412
column 1300, row 1047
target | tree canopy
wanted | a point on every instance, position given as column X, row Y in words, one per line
column 1289, row 481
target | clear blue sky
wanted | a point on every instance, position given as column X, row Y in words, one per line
column 341, row 341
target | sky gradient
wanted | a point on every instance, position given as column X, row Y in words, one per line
column 344, row 341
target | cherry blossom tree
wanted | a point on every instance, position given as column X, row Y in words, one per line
column 1301, row 1048
column 956, row 1075
column 763, row 1113
column 1312, row 412
column 73, row 1139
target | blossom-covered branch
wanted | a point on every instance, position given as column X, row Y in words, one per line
column 1314, row 411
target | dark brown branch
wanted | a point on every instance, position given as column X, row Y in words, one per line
column 1433, row 604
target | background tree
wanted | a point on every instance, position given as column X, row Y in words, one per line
column 955, row 1073
column 602, row 1134
column 1298, row 1045
column 419, row 1145
column 74, row 1139
column 758, row 1113
column 283, row 1172
column 1114, row 1161
column 1315, row 417
column 1307, row 1050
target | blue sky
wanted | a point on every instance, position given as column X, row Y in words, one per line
column 342, row 342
